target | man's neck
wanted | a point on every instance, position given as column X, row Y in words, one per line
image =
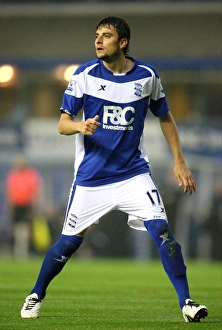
column 121, row 66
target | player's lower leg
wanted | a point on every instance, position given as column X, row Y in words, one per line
column 171, row 257
column 173, row 263
column 54, row 261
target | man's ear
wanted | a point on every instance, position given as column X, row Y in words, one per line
column 123, row 43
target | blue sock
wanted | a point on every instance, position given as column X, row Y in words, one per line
column 171, row 257
column 54, row 261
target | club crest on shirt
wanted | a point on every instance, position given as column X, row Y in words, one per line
column 138, row 89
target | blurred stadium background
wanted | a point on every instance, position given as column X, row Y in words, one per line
column 40, row 40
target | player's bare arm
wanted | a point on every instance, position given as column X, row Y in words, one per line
column 68, row 126
column 182, row 173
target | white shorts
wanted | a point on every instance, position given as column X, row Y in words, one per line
column 137, row 196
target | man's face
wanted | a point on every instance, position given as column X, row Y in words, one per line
column 107, row 44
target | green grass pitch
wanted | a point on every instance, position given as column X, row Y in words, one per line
column 108, row 294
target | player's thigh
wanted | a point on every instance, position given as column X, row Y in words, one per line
column 139, row 193
column 86, row 206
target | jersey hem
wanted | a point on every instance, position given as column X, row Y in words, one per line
column 104, row 181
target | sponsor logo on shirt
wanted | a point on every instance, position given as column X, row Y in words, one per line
column 117, row 118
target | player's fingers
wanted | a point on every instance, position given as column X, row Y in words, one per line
column 184, row 182
column 190, row 185
column 186, row 186
column 91, row 125
column 96, row 118
column 185, row 179
column 180, row 182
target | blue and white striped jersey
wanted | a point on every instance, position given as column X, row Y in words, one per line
column 115, row 151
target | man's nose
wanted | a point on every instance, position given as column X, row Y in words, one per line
column 99, row 40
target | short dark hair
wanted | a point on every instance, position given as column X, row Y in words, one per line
column 121, row 27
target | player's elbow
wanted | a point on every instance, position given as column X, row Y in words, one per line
column 61, row 129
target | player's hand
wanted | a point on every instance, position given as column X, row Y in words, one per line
column 89, row 126
column 185, row 178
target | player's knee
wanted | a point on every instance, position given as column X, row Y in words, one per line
column 69, row 244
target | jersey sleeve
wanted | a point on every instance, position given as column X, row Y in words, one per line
column 158, row 104
column 73, row 96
